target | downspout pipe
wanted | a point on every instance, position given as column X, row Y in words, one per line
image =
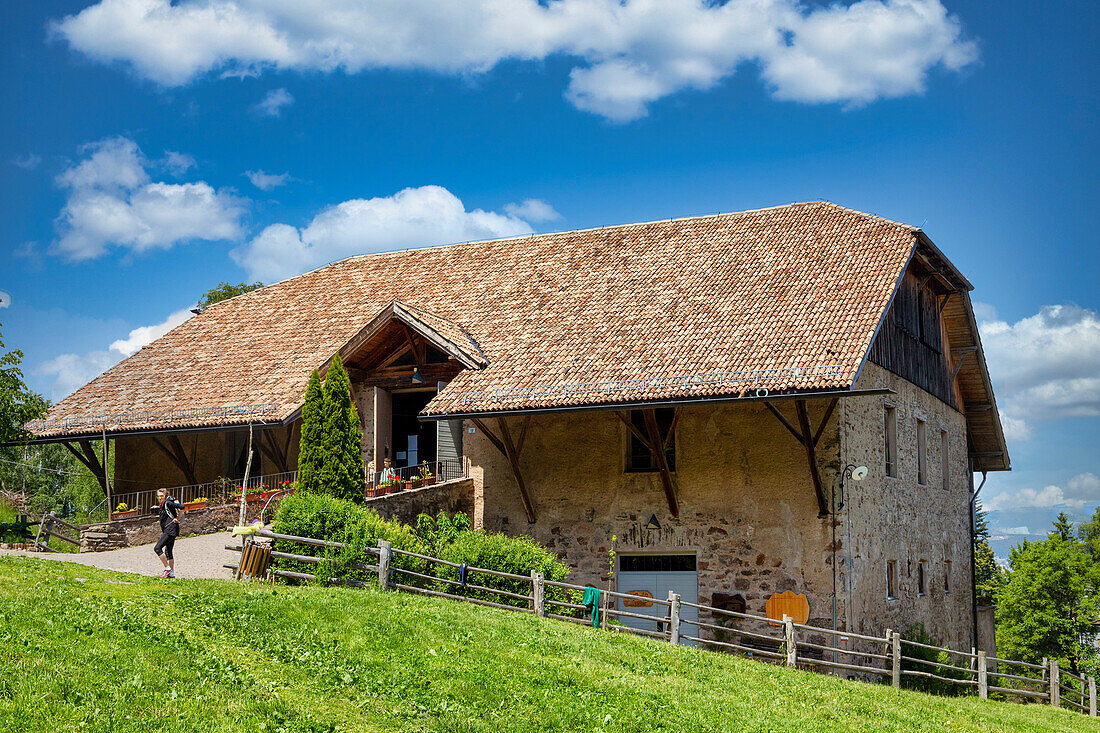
column 973, row 567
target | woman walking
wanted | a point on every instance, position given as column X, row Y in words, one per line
column 170, row 512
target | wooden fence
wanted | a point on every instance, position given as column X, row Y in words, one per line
column 52, row 526
column 778, row 641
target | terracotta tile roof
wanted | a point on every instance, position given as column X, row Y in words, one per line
column 798, row 287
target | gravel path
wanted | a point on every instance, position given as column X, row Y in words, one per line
column 201, row 556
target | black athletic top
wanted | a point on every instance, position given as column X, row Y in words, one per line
column 169, row 510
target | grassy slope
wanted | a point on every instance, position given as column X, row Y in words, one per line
column 90, row 650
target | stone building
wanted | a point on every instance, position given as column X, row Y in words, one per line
column 704, row 390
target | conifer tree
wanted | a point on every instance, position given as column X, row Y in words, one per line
column 311, row 452
column 343, row 438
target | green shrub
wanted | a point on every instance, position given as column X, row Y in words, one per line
column 917, row 633
column 440, row 531
column 320, row 516
column 517, row 555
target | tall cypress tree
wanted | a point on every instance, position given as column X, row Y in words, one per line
column 311, row 452
column 343, row 437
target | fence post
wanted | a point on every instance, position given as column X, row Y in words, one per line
column 1055, row 690
column 895, row 653
column 788, row 637
column 385, row 552
column 674, row 617
column 1092, row 696
column 538, row 594
column 983, row 677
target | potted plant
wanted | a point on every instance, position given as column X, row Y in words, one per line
column 427, row 478
column 123, row 512
column 412, row 483
column 254, row 495
column 196, row 504
column 392, row 486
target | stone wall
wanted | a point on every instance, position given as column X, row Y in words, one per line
column 899, row 519
column 404, row 506
column 747, row 504
column 146, row 529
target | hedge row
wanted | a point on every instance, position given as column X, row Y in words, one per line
column 325, row 517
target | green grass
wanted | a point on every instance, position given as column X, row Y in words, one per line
column 90, row 650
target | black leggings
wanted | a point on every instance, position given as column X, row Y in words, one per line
column 165, row 545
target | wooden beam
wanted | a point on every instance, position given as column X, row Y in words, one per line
column 655, row 448
column 943, row 303
column 188, row 466
column 179, row 461
column 672, row 427
column 978, row 407
column 825, row 420
column 811, row 456
column 90, row 460
column 507, row 448
column 625, row 417
column 786, row 423
column 513, row 458
column 522, row 434
column 412, row 345
column 958, row 366
column 277, row 456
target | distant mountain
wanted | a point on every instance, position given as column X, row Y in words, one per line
column 1008, row 527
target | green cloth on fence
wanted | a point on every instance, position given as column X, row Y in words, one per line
column 592, row 600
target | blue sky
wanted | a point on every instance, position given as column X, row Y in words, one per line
column 126, row 149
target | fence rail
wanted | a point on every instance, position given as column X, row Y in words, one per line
column 780, row 641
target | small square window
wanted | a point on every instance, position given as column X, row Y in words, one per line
column 891, row 579
column 640, row 459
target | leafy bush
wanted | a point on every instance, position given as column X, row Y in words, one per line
column 319, row 516
column 517, row 555
column 440, row 531
column 917, row 633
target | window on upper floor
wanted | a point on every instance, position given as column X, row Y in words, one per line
column 921, row 588
column 946, row 576
column 891, row 579
column 922, row 451
column 945, row 461
column 890, row 428
column 640, row 459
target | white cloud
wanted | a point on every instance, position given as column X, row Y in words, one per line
column 413, row 217
column 178, row 163
column 272, row 104
column 113, row 201
column 532, row 210
column 628, row 53
column 27, row 162
column 1082, row 489
column 71, row 371
column 267, row 181
column 1046, row 366
column 5, row 299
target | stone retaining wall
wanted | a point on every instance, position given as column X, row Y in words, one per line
column 452, row 496
column 146, row 529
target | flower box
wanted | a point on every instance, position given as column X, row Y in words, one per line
column 429, row 480
column 413, row 483
column 394, row 487
column 372, row 491
column 193, row 506
column 124, row 515
column 253, row 498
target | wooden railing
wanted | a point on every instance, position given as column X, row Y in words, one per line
column 779, row 641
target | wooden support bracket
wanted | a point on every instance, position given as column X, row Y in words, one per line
column 808, row 439
column 507, row 447
column 651, row 439
column 87, row 456
column 177, row 456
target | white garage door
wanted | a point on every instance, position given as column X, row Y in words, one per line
column 653, row 576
